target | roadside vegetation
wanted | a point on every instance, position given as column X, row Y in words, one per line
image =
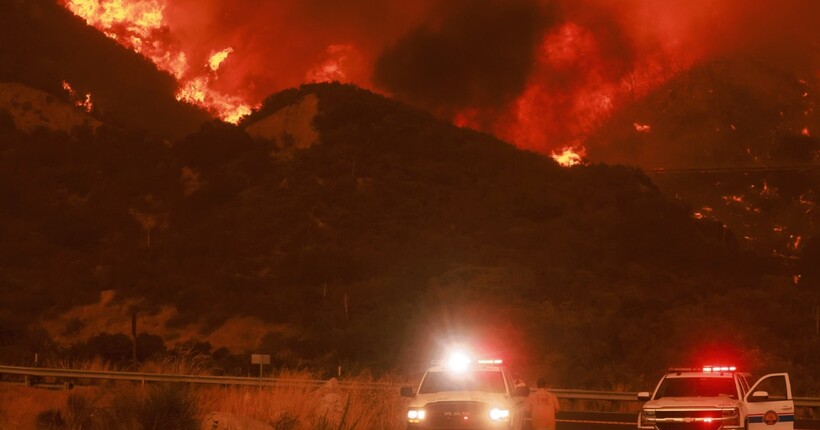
column 133, row 406
column 396, row 234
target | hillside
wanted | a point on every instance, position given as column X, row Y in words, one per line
column 736, row 140
column 390, row 234
column 735, row 112
column 43, row 45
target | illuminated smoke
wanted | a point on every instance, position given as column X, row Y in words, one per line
column 540, row 73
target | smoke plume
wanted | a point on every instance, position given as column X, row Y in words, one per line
column 539, row 73
column 478, row 54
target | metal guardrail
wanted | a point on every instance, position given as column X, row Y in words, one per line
column 70, row 374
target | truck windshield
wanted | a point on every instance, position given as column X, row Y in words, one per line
column 477, row 380
column 697, row 387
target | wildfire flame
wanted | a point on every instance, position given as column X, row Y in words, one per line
column 84, row 103
column 218, row 58
column 139, row 25
column 67, row 88
column 570, row 156
column 642, row 128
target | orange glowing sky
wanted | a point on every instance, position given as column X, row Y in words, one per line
column 540, row 74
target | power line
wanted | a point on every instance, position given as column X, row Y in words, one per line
column 735, row 169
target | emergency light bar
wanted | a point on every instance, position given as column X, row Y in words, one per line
column 719, row 368
column 705, row 369
column 461, row 361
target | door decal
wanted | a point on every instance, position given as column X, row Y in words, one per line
column 770, row 418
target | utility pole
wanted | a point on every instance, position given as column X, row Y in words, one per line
column 134, row 336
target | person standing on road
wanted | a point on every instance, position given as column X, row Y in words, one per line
column 542, row 407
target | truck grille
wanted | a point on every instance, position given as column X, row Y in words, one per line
column 457, row 415
column 689, row 426
column 684, row 414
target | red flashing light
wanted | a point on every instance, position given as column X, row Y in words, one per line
column 719, row 368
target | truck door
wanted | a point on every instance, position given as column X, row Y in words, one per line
column 775, row 411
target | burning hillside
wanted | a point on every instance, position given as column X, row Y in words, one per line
column 541, row 74
column 734, row 140
column 47, row 48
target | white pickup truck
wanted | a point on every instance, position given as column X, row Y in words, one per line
column 466, row 394
column 717, row 398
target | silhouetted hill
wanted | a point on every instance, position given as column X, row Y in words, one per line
column 373, row 236
column 42, row 44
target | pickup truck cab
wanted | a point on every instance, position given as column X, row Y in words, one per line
column 717, row 398
column 465, row 394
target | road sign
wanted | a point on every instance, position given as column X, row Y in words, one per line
column 260, row 359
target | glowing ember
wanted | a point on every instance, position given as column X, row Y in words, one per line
column 84, row 103
column 795, row 241
column 704, row 213
column 570, row 156
column 67, row 88
column 805, row 132
column 766, row 190
column 467, row 118
column 796, row 279
column 642, row 128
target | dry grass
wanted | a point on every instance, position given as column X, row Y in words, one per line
column 298, row 408
column 283, row 408
column 19, row 405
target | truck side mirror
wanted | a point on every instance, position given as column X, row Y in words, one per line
column 760, row 396
column 407, row 392
column 644, row 396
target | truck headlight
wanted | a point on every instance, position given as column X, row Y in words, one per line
column 647, row 417
column 498, row 414
column 731, row 417
column 416, row 415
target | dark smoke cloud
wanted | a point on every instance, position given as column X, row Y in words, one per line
column 478, row 54
column 784, row 34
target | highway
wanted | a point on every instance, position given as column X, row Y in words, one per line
column 566, row 420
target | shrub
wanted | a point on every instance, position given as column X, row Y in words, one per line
column 285, row 421
column 49, row 420
column 170, row 406
column 124, row 410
